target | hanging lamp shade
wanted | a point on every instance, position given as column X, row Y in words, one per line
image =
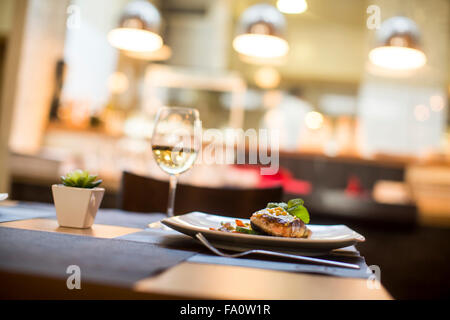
column 162, row 54
column 292, row 6
column 138, row 30
column 398, row 45
column 260, row 33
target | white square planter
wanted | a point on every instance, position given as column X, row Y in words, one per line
column 76, row 207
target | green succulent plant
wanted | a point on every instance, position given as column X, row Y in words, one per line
column 80, row 179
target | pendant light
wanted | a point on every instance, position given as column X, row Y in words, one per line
column 260, row 33
column 292, row 6
column 398, row 45
column 138, row 28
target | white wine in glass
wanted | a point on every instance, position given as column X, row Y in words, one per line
column 176, row 141
column 174, row 160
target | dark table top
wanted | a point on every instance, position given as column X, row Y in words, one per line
column 118, row 252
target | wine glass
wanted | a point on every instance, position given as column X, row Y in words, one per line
column 176, row 141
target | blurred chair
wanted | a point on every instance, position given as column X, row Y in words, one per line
column 144, row 194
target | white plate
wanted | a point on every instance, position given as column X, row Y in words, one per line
column 324, row 238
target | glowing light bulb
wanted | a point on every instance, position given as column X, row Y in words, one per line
column 136, row 40
column 437, row 103
column 161, row 54
column 260, row 45
column 397, row 58
column 292, row 6
column 314, row 120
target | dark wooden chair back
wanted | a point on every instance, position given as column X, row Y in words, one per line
column 144, row 194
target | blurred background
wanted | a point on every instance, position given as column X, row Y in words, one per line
column 364, row 128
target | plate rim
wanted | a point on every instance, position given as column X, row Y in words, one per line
column 357, row 237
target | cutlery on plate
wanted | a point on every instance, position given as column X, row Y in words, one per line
column 203, row 240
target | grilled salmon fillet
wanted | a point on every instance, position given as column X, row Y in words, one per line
column 278, row 222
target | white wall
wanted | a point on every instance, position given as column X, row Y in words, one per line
column 388, row 106
column 89, row 57
column 201, row 41
column 38, row 44
column 398, row 119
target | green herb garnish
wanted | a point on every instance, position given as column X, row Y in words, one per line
column 294, row 207
column 283, row 205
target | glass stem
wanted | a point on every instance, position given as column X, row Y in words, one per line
column 172, row 189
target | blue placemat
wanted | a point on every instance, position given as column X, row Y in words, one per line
column 26, row 211
column 165, row 238
column 160, row 240
column 286, row 265
column 176, row 240
column 108, row 261
column 114, row 217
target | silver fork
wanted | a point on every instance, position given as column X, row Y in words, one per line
column 203, row 240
